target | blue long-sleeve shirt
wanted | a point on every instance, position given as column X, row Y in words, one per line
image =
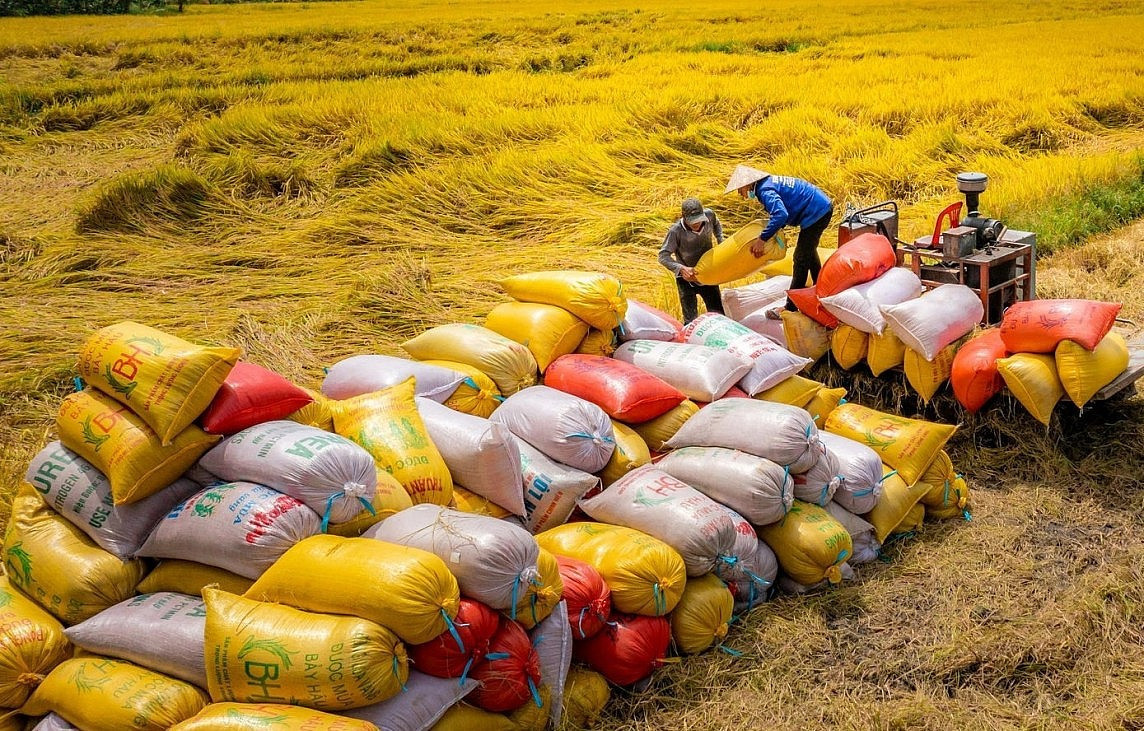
column 790, row 202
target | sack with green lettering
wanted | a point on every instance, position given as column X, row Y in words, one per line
column 332, row 475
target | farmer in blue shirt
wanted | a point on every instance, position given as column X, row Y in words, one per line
column 789, row 202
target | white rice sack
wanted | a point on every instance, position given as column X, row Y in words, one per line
column 494, row 561
column 418, row 706
column 743, row 571
column 647, row 323
column 360, row 374
column 763, row 564
column 757, row 488
column 862, row 534
column 551, row 490
column 566, row 428
column 650, row 500
column 818, row 484
column 163, row 632
column 770, row 329
column 552, row 639
column 936, row 319
column 861, row 470
column 790, row 586
column 702, row 373
column 200, row 476
column 784, row 434
column 771, row 363
column 237, row 526
column 52, row 722
column 333, row 476
column 481, row 455
column 75, row 489
column 742, row 301
column 859, row 306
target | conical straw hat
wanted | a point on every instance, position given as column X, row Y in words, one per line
column 744, row 175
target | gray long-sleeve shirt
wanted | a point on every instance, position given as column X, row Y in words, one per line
column 683, row 247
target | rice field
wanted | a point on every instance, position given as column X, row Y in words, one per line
column 313, row 180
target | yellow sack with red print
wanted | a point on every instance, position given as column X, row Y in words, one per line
column 732, row 259
column 884, row 352
column 249, row 716
column 659, row 430
column 907, row 445
column 809, row 544
column 32, row 642
column 848, row 345
column 595, row 298
column 389, row 426
column 167, row 381
column 631, row 452
column 546, row 330
column 477, row 394
column 703, row 615
column 189, row 577
column 895, row 503
column 123, row 448
column 58, row 566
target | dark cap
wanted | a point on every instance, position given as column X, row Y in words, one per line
column 693, row 211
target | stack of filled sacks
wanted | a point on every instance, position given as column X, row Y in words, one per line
column 1043, row 351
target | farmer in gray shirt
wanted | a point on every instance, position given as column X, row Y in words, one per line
column 688, row 239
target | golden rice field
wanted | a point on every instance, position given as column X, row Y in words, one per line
column 314, row 180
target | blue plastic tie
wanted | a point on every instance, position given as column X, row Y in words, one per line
column 368, row 505
column 945, row 493
column 515, row 590
column 468, row 381
column 965, row 514
column 325, row 371
column 824, row 494
column 863, row 493
column 497, row 656
column 329, row 507
column 465, row 672
column 729, row 651
column 887, row 476
column 659, row 599
column 397, row 674
column 843, row 400
column 535, row 694
column 533, row 602
column 77, row 383
column 453, row 631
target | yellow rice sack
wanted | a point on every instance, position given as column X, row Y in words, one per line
column 463, row 717
column 507, row 362
column 32, row 642
column 848, row 345
column 809, row 544
column 390, row 499
column 98, row 694
column 804, row 336
column 389, row 426
column 912, row 522
column 631, row 452
column 794, row 391
column 1083, row 372
column 404, row 589
column 533, row 717
column 317, row 413
column 1032, row 378
column 926, row 376
column 477, row 395
column 907, row 445
column 249, row 716
column 895, row 504
column 543, row 594
column 165, row 380
column 884, row 352
column 703, row 615
column 646, row 575
column 823, row 404
column 267, row 653
column 597, row 299
column 189, row 577
column 546, row 330
column 598, row 342
column 947, row 489
column 470, row 502
column 732, row 259
column 123, row 448
column 58, row 566
column 659, row 430
column 586, row 693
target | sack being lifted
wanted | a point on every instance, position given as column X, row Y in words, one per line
column 732, row 258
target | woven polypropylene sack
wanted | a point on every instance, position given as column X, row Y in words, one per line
column 541, row 596
column 936, row 319
column 860, row 468
column 1038, row 326
column 248, row 716
column 552, row 640
column 789, row 586
column 973, row 374
column 1033, row 379
column 785, row 266
column 123, row 448
column 948, row 492
column 622, row 390
column 508, row 676
column 389, row 426
column 644, row 322
column 493, row 560
column 362, row 374
column 884, row 352
column 237, row 526
column 927, row 376
column 1084, row 372
column 765, row 566
column 658, row 431
column 825, row 401
column 863, row 536
column 631, row 452
column 756, row 487
column 75, row 489
column 316, row 413
column 700, row 372
column 424, row 700
column 465, row 717
column 330, row 474
column 477, row 394
column 807, row 302
column 738, row 302
column 587, row 598
column 769, row 328
column 190, row 577
column 595, row 298
column 898, row 498
column 733, row 259
column 599, row 342
column 480, row 454
column 819, row 483
column 654, row 502
column 470, row 502
column 907, row 445
column 546, row 330
column 404, row 589
column 390, row 498
column 645, row 575
column 783, row 434
column 703, row 615
column 251, row 395
column 809, row 543
column 912, row 522
column 551, row 489
column 565, row 428
column 771, row 363
column 99, row 694
column 861, row 259
column 586, row 694
column 165, row 380
column 744, row 571
column 858, row 306
column 50, row 722
column 454, row 651
column 804, row 336
column 794, row 391
column 161, row 632
column 848, row 345
column 59, row 567
column 32, row 642
column 507, row 362
column 629, row 648
column 260, row 651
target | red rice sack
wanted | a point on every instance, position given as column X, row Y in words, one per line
column 509, row 674
column 587, row 596
column 644, row 322
column 629, row 648
column 807, row 302
column 624, row 391
column 975, row 378
column 1039, row 325
column 452, row 653
column 251, row 395
column 862, row 259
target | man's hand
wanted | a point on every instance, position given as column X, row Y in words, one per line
column 758, row 248
column 688, row 273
